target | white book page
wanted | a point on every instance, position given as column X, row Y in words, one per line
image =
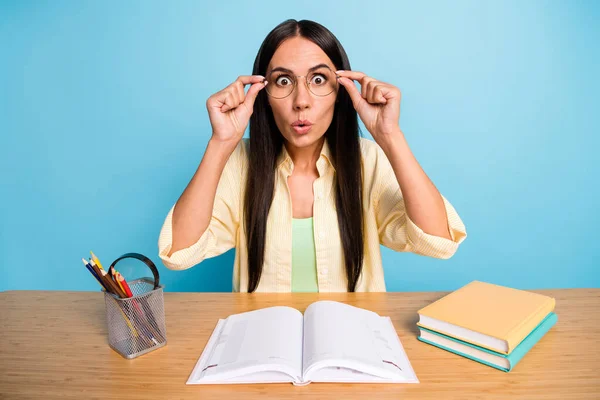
column 349, row 344
column 264, row 340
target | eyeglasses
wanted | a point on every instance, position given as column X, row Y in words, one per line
column 321, row 82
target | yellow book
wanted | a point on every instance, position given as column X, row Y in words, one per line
column 494, row 317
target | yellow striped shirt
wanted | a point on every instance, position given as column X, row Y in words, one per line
column 386, row 222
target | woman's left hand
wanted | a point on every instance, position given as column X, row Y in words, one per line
column 377, row 104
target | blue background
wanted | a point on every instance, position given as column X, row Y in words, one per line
column 103, row 123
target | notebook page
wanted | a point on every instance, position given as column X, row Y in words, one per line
column 336, row 331
column 260, row 340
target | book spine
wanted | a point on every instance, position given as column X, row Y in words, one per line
column 532, row 339
column 520, row 332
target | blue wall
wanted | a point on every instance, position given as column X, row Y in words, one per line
column 103, row 122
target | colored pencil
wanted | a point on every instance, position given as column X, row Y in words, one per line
column 116, row 280
column 96, row 260
column 124, row 284
column 89, row 267
column 109, row 282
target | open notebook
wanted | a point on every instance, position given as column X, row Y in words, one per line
column 331, row 342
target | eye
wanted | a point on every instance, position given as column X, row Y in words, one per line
column 318, row 79
column 283, row 80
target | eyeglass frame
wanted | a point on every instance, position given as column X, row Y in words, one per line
column 307, row 84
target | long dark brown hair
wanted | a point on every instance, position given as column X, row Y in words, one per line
column 266, row 143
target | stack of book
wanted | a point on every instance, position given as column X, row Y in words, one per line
column 487, row 323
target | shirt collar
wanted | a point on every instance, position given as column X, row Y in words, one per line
column 285, row 161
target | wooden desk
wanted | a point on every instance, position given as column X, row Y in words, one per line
column 53, row 345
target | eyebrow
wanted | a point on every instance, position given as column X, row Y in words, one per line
column 289, row 71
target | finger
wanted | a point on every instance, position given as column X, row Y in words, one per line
column 250, row 79
column 355, row 75
column 377, row 95
column 252, row 93
column 233, row 91
column 367, row 86
column 240, row 83
column 366, row 83
column 238, row 86
column 228, row 101
column 352, row 91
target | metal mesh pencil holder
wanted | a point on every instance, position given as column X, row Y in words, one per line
column 136, row 325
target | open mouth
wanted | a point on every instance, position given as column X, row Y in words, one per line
column 302, row 123
column 302, row 128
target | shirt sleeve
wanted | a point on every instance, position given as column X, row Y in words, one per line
column 221, row 233
column 397, row 231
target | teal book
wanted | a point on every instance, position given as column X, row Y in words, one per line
column 491, row 358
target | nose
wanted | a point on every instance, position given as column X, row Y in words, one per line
column 302, row 96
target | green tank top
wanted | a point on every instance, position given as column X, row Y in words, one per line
column 304, row 263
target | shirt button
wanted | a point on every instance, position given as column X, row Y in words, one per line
column 319, row 195
column 322, row 235
column 324, row 271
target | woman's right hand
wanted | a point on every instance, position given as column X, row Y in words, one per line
column 230, row 109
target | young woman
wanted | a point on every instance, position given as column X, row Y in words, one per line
column 306, row 201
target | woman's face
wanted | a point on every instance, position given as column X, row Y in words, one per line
column 299, row 55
